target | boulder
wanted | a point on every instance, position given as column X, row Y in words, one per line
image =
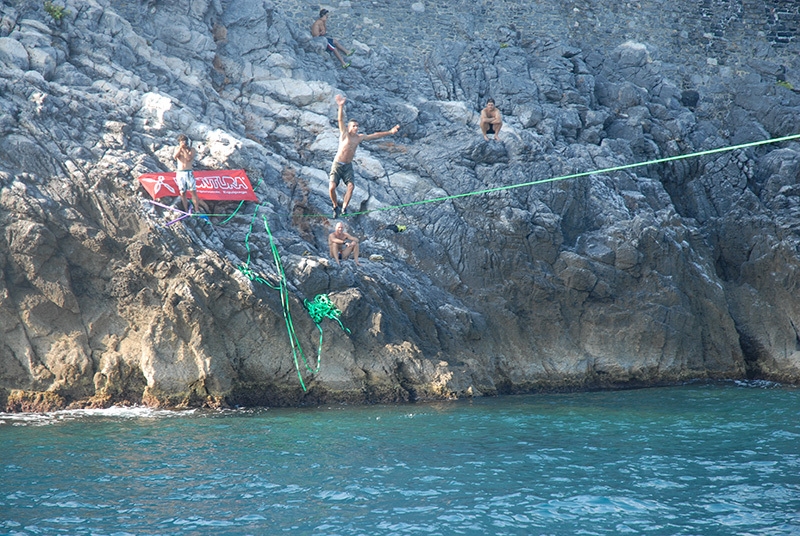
column 13, row 54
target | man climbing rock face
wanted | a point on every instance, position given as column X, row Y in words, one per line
column 320, row 29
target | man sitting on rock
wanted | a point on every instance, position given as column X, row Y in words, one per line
column 342, row 168
column 320, row 29
column 491, row 121
column 342, row 244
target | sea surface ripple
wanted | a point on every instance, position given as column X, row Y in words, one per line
column 702, row 459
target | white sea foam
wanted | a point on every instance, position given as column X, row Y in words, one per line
column 116, row 412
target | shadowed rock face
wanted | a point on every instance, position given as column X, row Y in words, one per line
column 640, row 276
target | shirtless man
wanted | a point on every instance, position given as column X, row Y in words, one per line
column 320, row 29
column 342, row 168
column 184, row 156
column 342, row 244
column 491, row 121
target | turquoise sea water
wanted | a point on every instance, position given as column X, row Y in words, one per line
column 718, row 459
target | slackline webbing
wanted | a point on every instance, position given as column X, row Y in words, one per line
column 530, row 183
column 322, row 307
column 575, row 175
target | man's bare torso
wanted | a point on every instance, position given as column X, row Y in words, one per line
column 348, row 143
column 319, row 28
column 184, row 156
column 490, row 115
column 339, row 235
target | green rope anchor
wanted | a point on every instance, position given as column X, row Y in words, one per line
column 252, row 276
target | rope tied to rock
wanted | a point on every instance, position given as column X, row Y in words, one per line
column 252, row 276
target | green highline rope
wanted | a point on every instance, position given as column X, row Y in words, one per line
column 318, row 310
column 321, row 307
column 543, row 181
column 571, row 176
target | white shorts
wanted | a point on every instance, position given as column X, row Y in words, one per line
column 185, row 180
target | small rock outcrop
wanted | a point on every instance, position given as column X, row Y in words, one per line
column 568, row 269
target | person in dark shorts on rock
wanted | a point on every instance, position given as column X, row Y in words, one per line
column 342, row 245
column 320, row 29
column 491, row 120
column 342, row 168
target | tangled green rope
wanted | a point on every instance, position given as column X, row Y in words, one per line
column 252, row 276
column 318, row 310
column 321, row 308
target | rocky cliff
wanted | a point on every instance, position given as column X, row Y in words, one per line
column 642, row 276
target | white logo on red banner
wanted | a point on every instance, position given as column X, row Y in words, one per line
column 222, row 185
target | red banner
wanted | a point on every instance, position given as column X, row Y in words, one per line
column 223, row 185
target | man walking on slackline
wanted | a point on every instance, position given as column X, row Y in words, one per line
column 342, row 168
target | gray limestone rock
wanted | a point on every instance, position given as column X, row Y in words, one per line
column 547, row 260
column 13, row 54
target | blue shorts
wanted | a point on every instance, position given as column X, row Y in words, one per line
column 185, row 180
column 341, row 172
column 331, row 46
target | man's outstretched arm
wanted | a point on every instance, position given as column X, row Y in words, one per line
column 340, row 101
column 377, row 135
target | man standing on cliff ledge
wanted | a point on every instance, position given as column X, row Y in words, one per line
column 342, row 168
column 184, row 156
